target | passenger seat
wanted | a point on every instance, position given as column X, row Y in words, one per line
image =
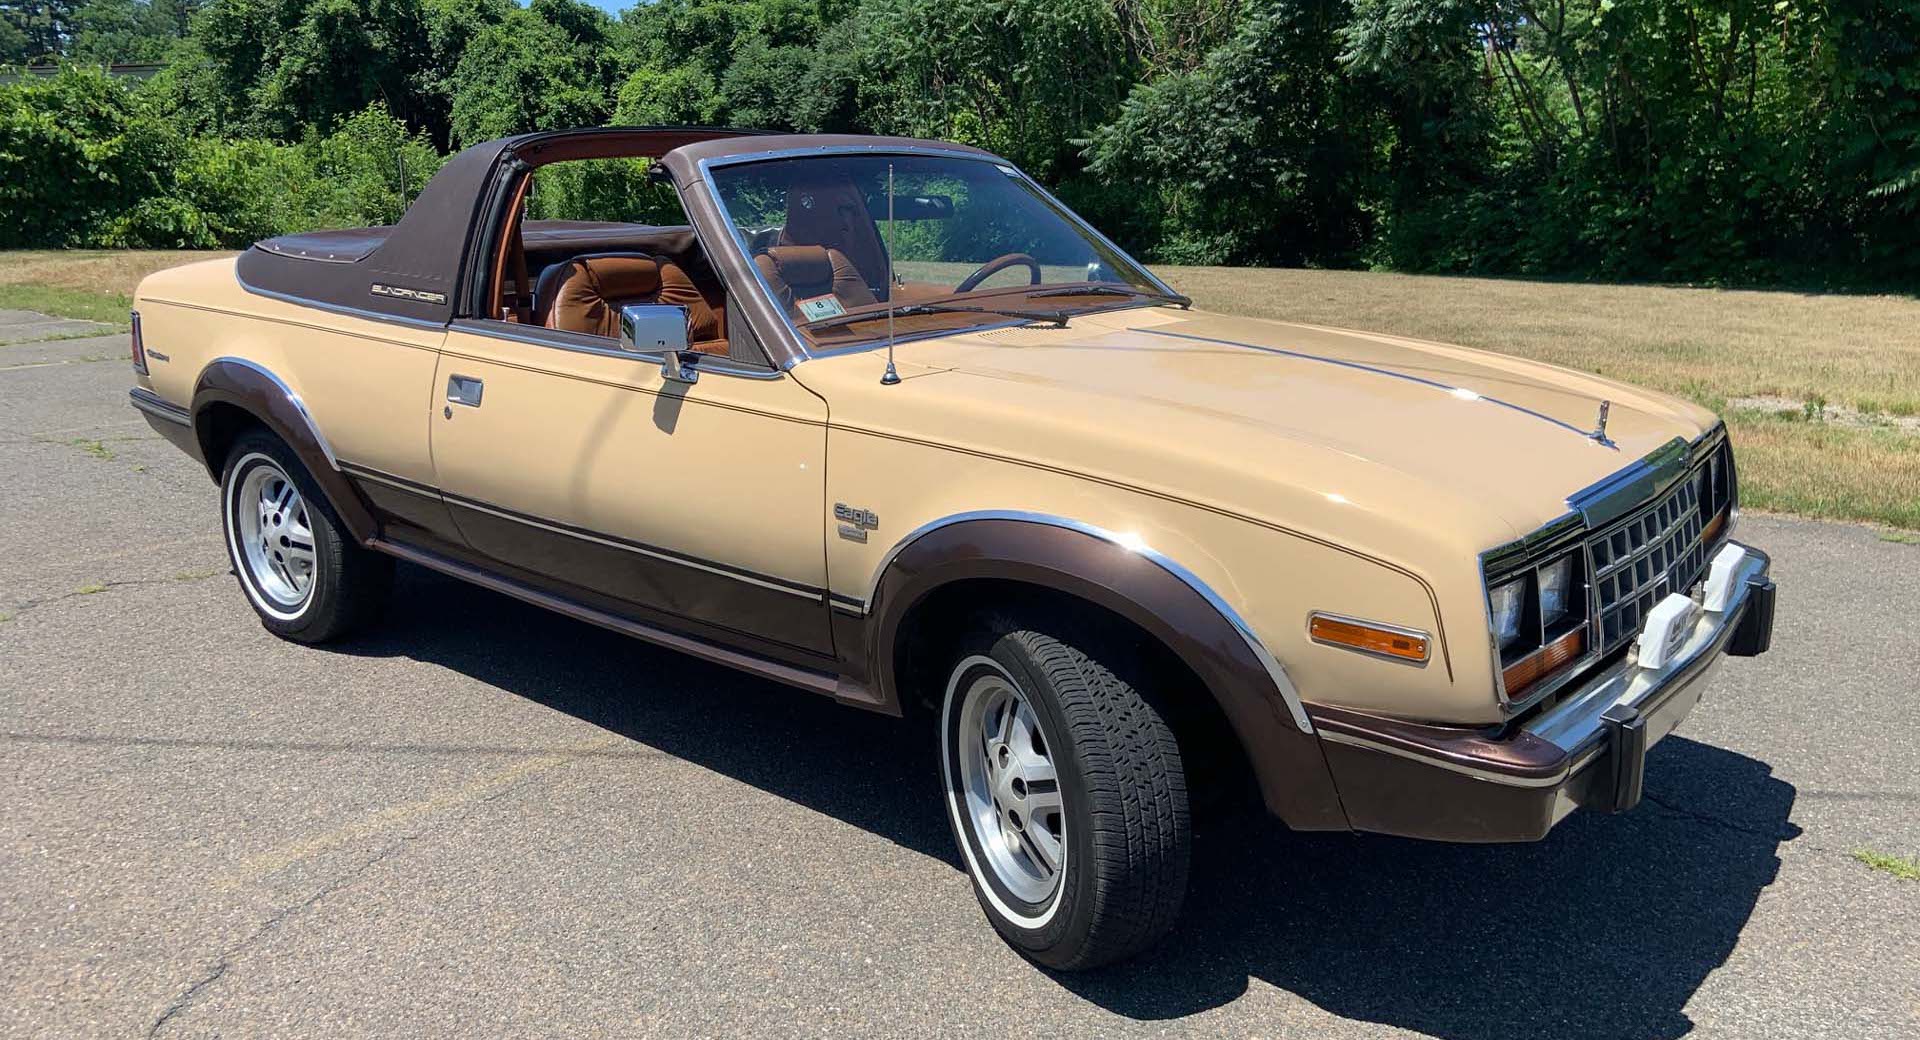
column 585, row 294
column 798, row 274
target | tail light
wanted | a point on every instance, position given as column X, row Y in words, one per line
column 139, row 347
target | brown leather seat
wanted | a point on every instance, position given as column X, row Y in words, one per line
column 834, row 214
column 799, row 273
column 585, row 294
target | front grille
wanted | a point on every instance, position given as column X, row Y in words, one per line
column 1638, row 561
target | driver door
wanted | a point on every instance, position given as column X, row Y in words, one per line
column 698, row 507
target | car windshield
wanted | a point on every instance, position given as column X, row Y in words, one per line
column 972, row 242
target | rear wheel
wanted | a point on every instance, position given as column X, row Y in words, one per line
column 304, row 575
column 1066, row 793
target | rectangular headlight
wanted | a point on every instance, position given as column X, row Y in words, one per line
column 1556, row 586
column 1509, row 604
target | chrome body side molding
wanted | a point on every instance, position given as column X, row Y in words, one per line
column 1132, row 544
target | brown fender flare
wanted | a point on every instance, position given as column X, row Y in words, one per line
column 249, row 386
column 1155, row 593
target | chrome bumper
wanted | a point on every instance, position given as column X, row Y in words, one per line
column 1627, row 709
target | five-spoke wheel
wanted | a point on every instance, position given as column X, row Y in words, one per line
column 302, row 573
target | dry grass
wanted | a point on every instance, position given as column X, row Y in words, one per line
column 106, row 271
column 95, row 284
column 1713, row 346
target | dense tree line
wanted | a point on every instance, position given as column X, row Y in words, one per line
column 1715, row 140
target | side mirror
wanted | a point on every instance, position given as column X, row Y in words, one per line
column 659, row 328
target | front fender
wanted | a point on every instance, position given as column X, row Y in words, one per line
column 1153, row 592
column 266, row 397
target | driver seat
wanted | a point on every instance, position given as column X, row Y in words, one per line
column 834, row 214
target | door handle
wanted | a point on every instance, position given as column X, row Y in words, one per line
column 464, row 390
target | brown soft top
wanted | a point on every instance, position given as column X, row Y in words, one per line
column 426, row 254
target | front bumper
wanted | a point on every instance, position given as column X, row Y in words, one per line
column 1588, row 749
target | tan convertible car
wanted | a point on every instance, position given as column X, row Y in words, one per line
column 883, row 420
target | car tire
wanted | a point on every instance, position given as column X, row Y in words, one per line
column 303, row 574
column 1066, row 793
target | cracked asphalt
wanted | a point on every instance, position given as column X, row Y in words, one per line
column 485, row 820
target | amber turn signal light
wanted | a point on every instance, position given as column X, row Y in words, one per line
column 1368, row 638
column 1543, row 662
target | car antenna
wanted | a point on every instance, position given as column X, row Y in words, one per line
column 891, row 376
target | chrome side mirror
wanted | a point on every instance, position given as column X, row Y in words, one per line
column 660, row 328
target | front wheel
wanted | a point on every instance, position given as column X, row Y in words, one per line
column 302, row 572
column 1066, row 794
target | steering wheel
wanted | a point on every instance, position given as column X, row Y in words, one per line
column 997, row 265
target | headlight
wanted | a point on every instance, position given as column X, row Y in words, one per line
column 1556, row 583
column 1508, row 602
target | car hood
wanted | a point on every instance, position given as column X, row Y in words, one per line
column 1280, row 402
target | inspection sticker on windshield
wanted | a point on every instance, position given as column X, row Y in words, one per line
column 818, row 307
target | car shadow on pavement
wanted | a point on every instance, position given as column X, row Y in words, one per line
column 1604, row 929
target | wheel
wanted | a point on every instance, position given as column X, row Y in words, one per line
column 1066, row 794
column 305, row 576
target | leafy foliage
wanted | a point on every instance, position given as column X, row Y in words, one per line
column 1702, row 140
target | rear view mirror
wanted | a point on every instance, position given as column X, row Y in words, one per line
column 913, row 207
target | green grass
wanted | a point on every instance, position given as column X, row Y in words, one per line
column 1899, row 866
column 94, row 448
column 109, row 308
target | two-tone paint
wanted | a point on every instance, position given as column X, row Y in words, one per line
column 1214, row 481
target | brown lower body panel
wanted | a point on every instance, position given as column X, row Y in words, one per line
column 788, row 672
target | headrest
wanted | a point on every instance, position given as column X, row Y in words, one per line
column 623, row 277
column 802, row 265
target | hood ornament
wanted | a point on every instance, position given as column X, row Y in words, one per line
column 1599, row 434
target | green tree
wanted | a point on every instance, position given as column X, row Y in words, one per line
column 545, row 67
column 77, row 152
column 1263, row 153
column 110, row 31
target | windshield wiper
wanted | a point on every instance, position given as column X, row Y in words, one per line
column 1113, row 290
column 1057, row 318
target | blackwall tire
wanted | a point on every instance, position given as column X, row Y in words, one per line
column 1066, row 793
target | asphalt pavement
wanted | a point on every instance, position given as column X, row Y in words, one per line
column 485, row 820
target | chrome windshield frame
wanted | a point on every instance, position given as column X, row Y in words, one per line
column 798, row 341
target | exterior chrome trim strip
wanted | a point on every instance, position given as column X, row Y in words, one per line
column 155, row 405
column 1374, row 369
column 398, row 483
column 1273, row 668
column 1554, row 780
column 554, row 339
column 293, row 398
column 1411, row 633
column 766, row 582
